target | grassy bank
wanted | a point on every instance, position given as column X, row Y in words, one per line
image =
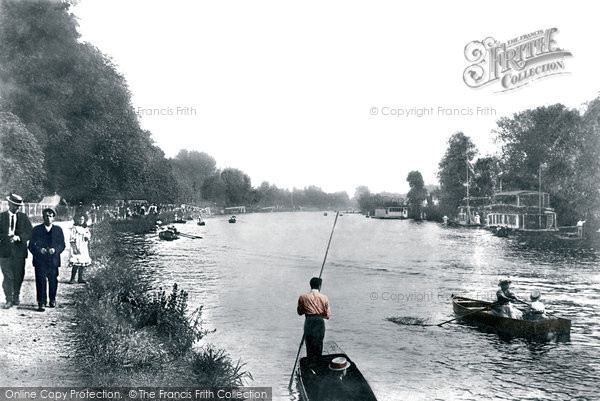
column 129, row 333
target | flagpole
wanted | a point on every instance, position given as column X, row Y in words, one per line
column 468, row 206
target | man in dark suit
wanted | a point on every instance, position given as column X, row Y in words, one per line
column 15, row 231
column 46, row 245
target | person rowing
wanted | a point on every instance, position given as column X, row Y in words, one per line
column 504, row 305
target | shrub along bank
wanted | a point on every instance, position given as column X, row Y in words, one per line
column 130, row 333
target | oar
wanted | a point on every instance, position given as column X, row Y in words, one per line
column 189, row 236
column 470, row 313
column 320, row 273
column 521, row 302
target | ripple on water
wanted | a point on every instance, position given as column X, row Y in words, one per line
column 248, row 277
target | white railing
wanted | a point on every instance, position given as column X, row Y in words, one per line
column 30, row 209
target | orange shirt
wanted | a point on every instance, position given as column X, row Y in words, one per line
column 314, row 303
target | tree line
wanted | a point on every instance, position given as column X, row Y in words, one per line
column 552, row 148
column 67, row 126
column 200, row 181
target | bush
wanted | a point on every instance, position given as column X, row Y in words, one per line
column 215, row 368
column 168, row 314
column 103, row 243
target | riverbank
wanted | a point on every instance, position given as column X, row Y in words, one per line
column 38, row 347
column 131, row 333
column 116, row 330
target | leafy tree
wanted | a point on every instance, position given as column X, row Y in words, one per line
column 254, row 197
column 486, row 176
column 552, row 145
column 214, row 189
column 315, row 197
column 191, row 169
column 270, row 195
column 588, row 166
column 22, row 168
column 266, row 194
column 361, row 197
column 532, row 138
column 452, row 172
column 417, row 193
column 339, row 200
column 72, row 99
column 360, row 191
column 160, row 184
column 237, row 186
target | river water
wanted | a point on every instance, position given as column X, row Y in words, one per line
column 249, row 275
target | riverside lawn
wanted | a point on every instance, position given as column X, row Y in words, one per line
column 129, row 333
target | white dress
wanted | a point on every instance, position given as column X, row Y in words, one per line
column 80, row 254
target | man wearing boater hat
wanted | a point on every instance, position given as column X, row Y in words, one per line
column 315, row 306
column 335, row 386
column 15, row 231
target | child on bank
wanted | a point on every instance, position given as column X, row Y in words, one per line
column 80, row 254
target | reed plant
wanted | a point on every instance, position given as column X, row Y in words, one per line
column 130, row 333
column 214, row 368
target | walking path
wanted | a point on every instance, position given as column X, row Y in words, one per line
column 36, row 348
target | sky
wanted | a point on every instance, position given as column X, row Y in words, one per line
column 321, row 93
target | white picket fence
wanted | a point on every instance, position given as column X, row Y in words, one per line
column 30, row 209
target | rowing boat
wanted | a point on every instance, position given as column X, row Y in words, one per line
column 479, row 312
column 317, row 382
column 168, row 235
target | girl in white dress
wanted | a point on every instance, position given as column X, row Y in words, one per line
column 80, row 254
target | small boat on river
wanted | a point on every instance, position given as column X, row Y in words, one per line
column 479, row 312
column 319, row 381
column 232, row 219
column 168, row 235
column 501, row 231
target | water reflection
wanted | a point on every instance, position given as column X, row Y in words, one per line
column 249, row 275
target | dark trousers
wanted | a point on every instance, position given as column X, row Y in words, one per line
column 314, row 332
column 43, row 275
column 13, row 270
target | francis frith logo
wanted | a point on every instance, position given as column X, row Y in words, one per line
column 516, row 62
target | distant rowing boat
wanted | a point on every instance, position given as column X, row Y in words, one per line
column 319, row 383
column 545, row 328
column 168, row 235
column 500, row 231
